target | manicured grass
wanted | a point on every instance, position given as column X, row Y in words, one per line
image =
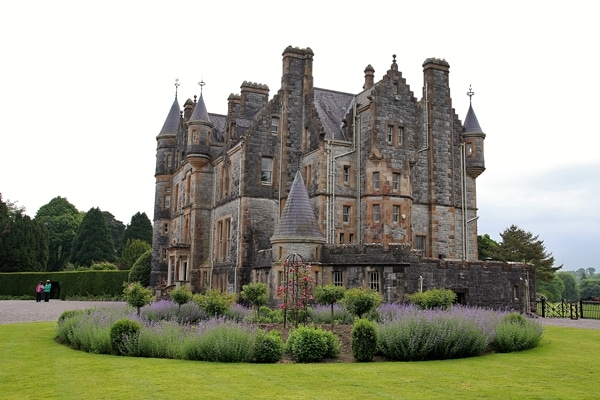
column 34, row 366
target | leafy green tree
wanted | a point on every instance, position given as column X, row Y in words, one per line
column 133, row 249
column 181, row 295
column 359, row 302
column 571, row 291
column 213, row 302
column 140, row 227
column 487, row 247
column 520, row 246
column 140, row 272
column 589, row 288
column 329, row 295
column 552, row 290
column 93, row 241
column 116, row 229
column 257, row 294
column 137, row 296
column 62, row 219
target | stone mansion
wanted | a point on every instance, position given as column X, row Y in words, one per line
column 375, row 189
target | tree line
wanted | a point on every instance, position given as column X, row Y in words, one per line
column 60, row 237
column 518, row 245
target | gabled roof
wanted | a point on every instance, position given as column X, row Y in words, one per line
column 332, row 107
column 298, row 220
column 171, row 125
column 471, row 123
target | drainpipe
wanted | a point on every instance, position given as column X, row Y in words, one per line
column 239, row 218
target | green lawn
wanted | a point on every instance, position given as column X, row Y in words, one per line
column 34, row 366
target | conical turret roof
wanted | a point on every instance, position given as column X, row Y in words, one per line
column 471, row 123
column 298, row 220
column 200, row 113
column 171, row 125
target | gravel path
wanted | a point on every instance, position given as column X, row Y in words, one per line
column 12, row 311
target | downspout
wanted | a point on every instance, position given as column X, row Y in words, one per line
column 239, row 229
column 463, row 192
column 212, row 228
column 334, row 168
column 357, row 144
column 328, row 192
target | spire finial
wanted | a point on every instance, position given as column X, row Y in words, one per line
column 201, row 83
column 176, row 86
column 470, row 93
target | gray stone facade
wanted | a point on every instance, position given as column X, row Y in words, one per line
column 388, row 189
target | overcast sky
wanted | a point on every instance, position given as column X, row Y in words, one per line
column 85, row 87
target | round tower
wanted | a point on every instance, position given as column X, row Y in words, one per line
column 199, row 131
column 473, row 138
column 165, row 156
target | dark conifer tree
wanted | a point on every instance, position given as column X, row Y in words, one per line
column 140, row 228
column 93, row 242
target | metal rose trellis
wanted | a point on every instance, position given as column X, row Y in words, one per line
column 296, row 288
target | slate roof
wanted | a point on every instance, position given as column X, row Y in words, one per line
column 171, row 125
column 298, row 219
column 471, row 123
column 332, row 107
column 200, row 113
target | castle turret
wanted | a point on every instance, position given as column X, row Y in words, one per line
column 199, row 130
column 473, row 138
column 165, row 153
column 298, row 229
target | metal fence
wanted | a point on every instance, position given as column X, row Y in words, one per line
column 589, row 309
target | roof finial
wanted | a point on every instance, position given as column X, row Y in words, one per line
column 394, row 65
column 470, row 93
column 201, row 83
column 176, row 86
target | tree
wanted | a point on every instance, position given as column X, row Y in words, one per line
column 116, row 229
column 329, row 295
column 487, row 247
column 140, row 272
column 93, row 241
column 359, row 302
column 181, row 295
column 62, row 219
column 140, row 227
column 23, row 245
column 571, row 291
column 257, row 294
column 133, row 249
column 137, row 296
column 589, row 288
column 520, row 246
column 552, row 290
column 23, row 241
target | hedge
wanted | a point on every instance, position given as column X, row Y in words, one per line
column 65, row 284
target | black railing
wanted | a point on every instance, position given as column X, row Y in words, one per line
column 589, row 309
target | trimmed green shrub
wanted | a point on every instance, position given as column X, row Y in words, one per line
column 363, row 340
column 124, row 335
column 140, row 272
column 269, row 347
column 309, row 344
column 433, row 298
